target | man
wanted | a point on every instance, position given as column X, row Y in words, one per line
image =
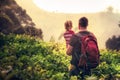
column 74, row 49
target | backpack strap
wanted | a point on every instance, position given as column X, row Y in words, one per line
column 83, row 54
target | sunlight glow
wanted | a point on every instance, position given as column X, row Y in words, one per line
column 77, row 6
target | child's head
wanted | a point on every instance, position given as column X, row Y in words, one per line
column 68, row 25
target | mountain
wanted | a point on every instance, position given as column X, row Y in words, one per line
column 14, row 19
column 103, row 24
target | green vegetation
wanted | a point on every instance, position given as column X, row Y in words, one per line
column 14, row 19
column 25, row 58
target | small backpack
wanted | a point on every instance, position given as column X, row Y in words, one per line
column 89, row 51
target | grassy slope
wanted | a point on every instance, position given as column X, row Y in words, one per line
column 32, row 59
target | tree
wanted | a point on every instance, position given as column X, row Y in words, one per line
column 113, row 43
column 14, row 19
column 119, row 24
column 110, row 9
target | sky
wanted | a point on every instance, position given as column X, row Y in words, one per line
column 77, row 6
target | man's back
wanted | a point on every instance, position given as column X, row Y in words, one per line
column 89, row 50
column 76, row 44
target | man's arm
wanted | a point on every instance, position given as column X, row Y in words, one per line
column 69, row 50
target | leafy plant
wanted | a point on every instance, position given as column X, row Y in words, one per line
column 33, row 59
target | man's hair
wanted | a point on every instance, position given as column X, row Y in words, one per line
column 83, row 22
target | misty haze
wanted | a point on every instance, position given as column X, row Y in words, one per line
column 103, row 24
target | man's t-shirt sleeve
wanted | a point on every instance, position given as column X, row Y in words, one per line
column 73, row 40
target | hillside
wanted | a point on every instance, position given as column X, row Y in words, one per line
column 14, row 19
column 24, row 58
column 103, row 24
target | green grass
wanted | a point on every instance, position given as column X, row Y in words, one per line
column 33, row 59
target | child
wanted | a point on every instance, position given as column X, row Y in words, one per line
column 69, row 32
column 67, row 35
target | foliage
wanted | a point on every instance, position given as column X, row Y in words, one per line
column 14, row 19
column 5, row 21
column 109, row 64
column 32, row 59
column 113, row 41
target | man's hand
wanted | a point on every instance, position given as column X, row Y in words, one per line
column 69, row 50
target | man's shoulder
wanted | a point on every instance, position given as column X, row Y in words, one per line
column 82, row 33
column 85, row 33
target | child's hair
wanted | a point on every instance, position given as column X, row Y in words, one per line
column 68, row 25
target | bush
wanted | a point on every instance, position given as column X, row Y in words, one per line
column 33, row 59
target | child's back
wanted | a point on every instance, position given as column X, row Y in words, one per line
column 69, row 32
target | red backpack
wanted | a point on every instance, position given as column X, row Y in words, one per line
column 89, row 51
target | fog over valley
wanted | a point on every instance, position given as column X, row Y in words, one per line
column 103, row 24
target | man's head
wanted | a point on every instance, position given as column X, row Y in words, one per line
column 83, row 22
